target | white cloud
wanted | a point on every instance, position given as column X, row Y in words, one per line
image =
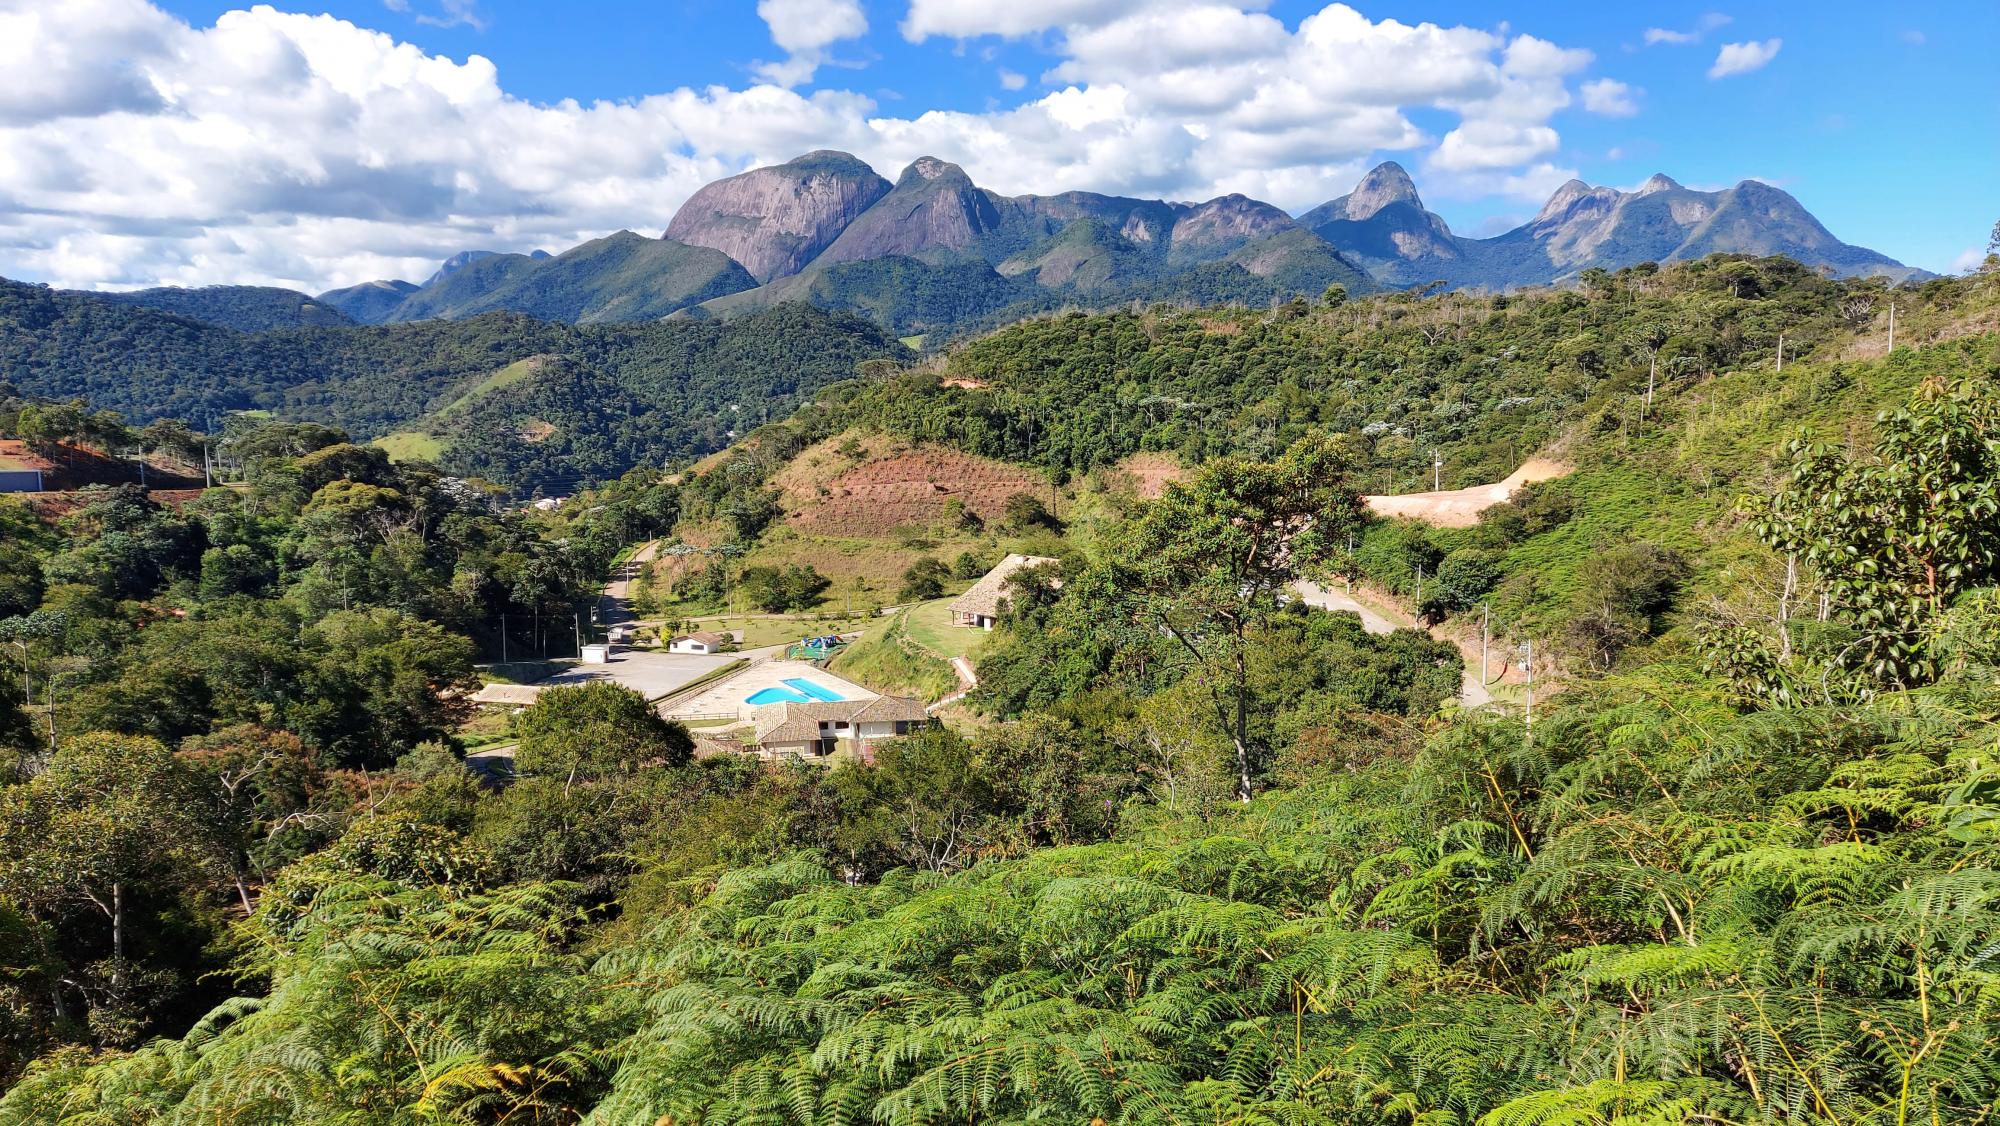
column 306, row 151
column 1914, row 37
column 1009, row 80
column 805, row 29
column 450, row 13
column 1968, row 260
column 1609, row 97
column 1706, row 24
column 967, row 19
column 1742, row 58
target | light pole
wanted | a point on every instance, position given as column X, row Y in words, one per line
column 1437, row 471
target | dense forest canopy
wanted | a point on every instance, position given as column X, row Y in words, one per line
column 514, row 399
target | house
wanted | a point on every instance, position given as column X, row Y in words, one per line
column 979, row 608
column 702, row 641
column 816, row 730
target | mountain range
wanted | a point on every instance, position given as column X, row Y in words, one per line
column 934, row 252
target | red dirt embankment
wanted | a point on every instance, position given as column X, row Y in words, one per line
column 65, row 467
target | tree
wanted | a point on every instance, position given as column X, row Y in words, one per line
column 924, row 580
column 1214, row 553
column 589, row 731
column 796, row 586
column 112, row 827
column 1897, row 535
column 1334, row 297
column 1025, row 511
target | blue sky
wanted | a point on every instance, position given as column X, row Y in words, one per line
column 261, row 146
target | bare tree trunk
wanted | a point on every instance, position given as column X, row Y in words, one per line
column 1241, row 736
column 118, row 934
column 1785, row 605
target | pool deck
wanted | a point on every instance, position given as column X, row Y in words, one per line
column 726, row 696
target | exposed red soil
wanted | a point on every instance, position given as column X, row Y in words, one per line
column 1150, row 473
column 908, row 488
column 65, row 467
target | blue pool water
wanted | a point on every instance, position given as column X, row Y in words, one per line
column 798, row 690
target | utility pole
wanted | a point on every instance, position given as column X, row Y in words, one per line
column 1485, row 615
column 1531, row 688
column 1437, row 471
column 1781, row 352
column 503, row 639
column 579, row 636
column 1892, row 326
column 207, row 474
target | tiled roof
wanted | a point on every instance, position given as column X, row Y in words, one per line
column 799, row 723
column 984, row 597
column 706, row 637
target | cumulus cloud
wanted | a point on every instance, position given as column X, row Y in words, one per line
column 1742, row 58
column 307, row 151
column 805, row 29
column 1609, row 97
column 1010, row 80
column 1672, row 37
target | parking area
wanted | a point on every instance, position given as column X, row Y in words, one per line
column 729, row 696
column 649, row 673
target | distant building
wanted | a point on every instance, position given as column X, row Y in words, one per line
column 700, row 642
column 20, row 480
column 817, row 730
column 979, row 608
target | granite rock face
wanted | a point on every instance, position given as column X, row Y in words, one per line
column 776, row 220
column 1382, row 226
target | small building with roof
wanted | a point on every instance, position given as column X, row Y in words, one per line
column 701, row 641
column 979, row 608
column 817, row 730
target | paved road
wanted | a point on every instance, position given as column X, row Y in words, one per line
column 1471, row 693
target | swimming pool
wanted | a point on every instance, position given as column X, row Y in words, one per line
column 797, row 690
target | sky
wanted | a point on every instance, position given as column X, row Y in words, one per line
column 331, row 142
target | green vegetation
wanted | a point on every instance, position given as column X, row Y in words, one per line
column 929, row 625
column 1738, row 870
column 410, row 445
column 889, row 659
column 245, row 308
column 603, row 399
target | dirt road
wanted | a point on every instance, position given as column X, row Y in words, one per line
column 1460, row 508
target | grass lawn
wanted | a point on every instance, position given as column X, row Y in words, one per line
column 410, row 445
column 929, row 625
column 759, row 632
column 493, row 381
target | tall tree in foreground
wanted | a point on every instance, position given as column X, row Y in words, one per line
column 1214, row 553
column 1895, row 537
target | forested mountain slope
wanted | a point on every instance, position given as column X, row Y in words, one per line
column 245, row 308
column 651, row 392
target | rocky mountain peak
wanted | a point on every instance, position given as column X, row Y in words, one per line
column 1658, row 182
column 775, row 220
column 1385, row 184
column 930, row 168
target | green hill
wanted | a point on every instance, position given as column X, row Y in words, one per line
column 622, row 395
